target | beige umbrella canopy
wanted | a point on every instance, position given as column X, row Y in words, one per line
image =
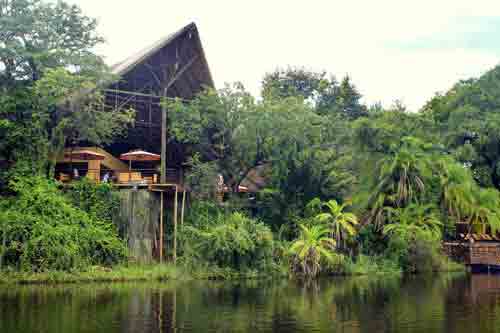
column 139, row 155
column 86, row 155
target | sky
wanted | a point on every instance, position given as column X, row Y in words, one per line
column 391, row 49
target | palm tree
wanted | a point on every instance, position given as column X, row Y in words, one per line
column 457, row 186
column 412, row 218
column 466, row 201
column 342, row 224
column 310, row 248
column 400, row 180
column 403, row 174
column 484, row 210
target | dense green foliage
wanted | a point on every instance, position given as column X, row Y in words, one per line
column 409, row 176
column 48, row 80
column 229, row 240
column 384, row 184
column 48, row 100
column 98, row 200
column 41, row 229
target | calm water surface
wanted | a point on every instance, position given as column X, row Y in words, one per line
column 441, row 303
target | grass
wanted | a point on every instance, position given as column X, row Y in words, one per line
column 448, row 265
column 365, row 265
column 127, row 273
column 119, row 273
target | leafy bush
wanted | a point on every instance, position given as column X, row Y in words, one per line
column 43, row 230
column 229, row 240
column 416, row 251
column 371, row 241
column 98, row 200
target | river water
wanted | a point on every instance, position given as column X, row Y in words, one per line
column 439, row 303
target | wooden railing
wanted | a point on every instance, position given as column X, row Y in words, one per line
column 133, row 176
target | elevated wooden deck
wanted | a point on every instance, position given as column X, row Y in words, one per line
column 474, row 253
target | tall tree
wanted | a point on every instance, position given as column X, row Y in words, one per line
column 349, row 100
column 240, row 134
column 323, row 93
column 467, row 116
column 49, row 77
column 36, row 36
column 294, row 82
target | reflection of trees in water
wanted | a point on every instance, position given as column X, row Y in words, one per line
column 438, row 303
column 477, row 299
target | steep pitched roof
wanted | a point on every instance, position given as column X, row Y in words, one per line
column 197, row 75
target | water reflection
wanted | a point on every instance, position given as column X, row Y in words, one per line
column 439, row 303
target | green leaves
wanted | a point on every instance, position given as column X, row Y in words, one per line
column 240, row 134
column 229, row 240
column 342, row 224
column 44, row 231
column 325, row 95
column 311, row 249
column 37, row 35
column 413, row 217
column 49, row 77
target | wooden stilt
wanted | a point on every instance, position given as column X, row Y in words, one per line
column 163, row 162
column 183, row 205
column 160, row 311
column 161, row 227
column 175, row 226
column 174, row 311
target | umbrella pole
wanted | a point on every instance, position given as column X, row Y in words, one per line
column 129, row 170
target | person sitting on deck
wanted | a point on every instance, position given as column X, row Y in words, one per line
column 105, row 179
column 76, row 175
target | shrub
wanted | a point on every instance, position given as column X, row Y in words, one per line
column 416, row 251
column 370, row 265
column 98, row 200
column 42, row 230
column 229, row 241
column 371, row 241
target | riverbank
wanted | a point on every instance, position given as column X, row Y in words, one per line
column 131, row 273
column 156, row 272
column 165, row 272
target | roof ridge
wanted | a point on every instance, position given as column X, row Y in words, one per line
column 127, row 64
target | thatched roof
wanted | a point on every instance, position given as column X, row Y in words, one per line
column 180, row 54
column 257, row 178
column 175, row 63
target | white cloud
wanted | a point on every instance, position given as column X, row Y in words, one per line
column 244, row 39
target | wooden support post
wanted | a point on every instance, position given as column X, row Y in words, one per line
column 94, row 170
column 160, row 311
column 174, row 311
column 183, row 205
column 163, row 165
column 161, row 227
column 175, row 226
